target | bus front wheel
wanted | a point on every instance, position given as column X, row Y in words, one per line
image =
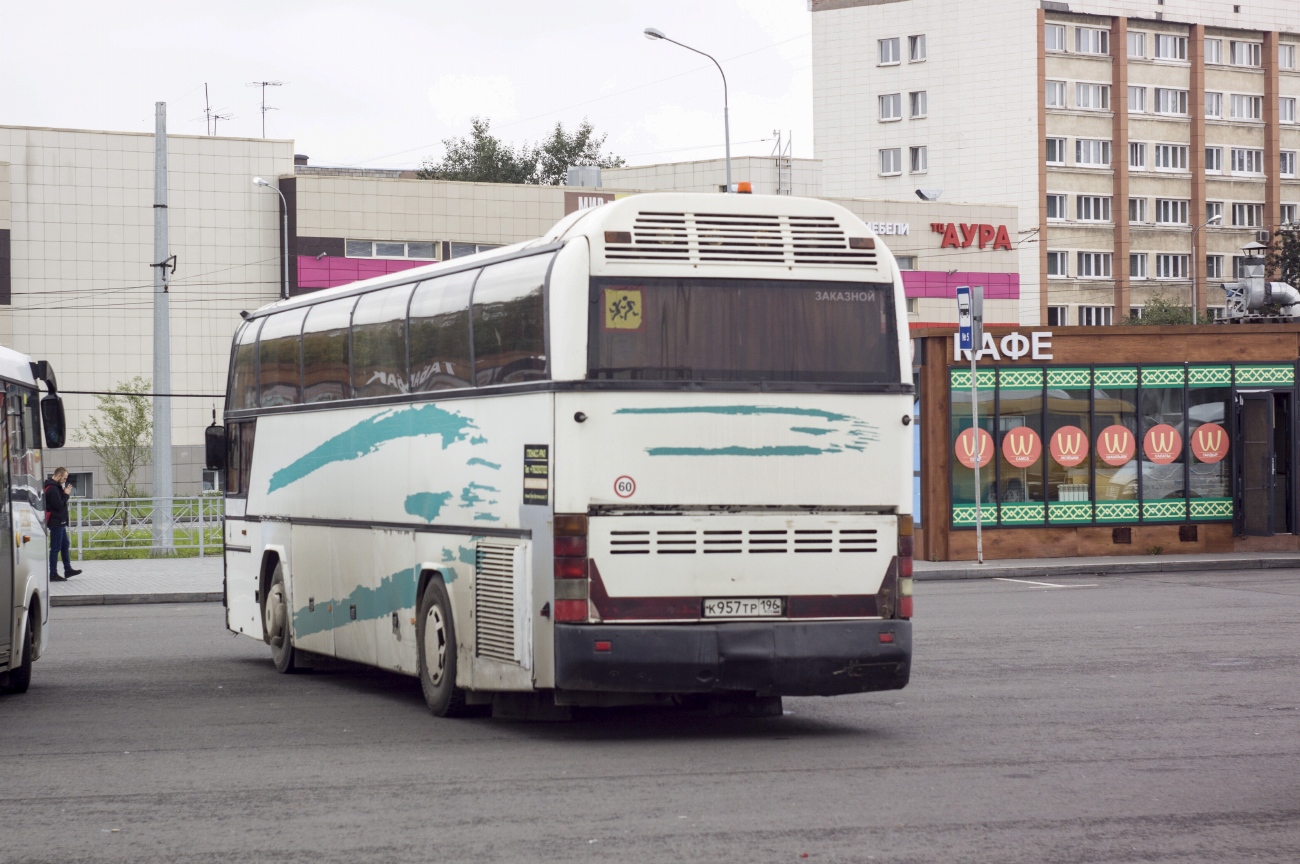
column 19, row 678
column 275, row 621
column 436, row 639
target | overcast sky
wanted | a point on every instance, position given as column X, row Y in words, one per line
column 379, row 84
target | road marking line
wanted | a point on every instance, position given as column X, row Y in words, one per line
column 1044, row 584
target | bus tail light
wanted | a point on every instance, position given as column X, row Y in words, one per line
column 570, row 556
column 905, row 567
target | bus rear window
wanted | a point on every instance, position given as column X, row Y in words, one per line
column 742, row 330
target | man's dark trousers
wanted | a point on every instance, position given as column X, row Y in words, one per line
column 59, row 543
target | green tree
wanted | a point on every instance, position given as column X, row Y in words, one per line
column 1161, row 309
column 1283, row 263
column 121, row 434
column 482, row 157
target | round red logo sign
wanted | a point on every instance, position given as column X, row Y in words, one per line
column 1022, row 447
column 1210, row 443
column 1116, row 445
column 965, row 448
column 1162, row 444
column 1069, row 446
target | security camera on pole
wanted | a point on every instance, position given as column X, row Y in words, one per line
column 970, row 327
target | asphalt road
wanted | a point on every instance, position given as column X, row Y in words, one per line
column 1149, row 718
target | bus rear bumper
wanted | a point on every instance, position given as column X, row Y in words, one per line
column 781, row 658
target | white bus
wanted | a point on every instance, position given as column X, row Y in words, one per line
column 24, row 569
column 660, row 453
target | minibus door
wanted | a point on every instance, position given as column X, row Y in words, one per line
column 6, row 557
column 1255, row 466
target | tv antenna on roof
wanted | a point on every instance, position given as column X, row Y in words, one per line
column 212, row 116
column 265, row 108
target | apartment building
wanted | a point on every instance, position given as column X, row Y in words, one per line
column 1144, row 143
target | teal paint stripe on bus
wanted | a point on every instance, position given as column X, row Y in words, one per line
column 394, row 594
column 738, row 411
column 367, row 436
column 796, row 450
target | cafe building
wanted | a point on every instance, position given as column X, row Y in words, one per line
column 1108, row 441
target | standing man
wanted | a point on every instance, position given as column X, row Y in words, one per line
column 57, row 492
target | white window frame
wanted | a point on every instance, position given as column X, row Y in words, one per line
column 1054, row 37
column 1091, row 97
column 1247, row 106
column 1090, row 40
column 1248, row 161
column 888, row 51
column 1170, row 157
column 1137, row 99
column 1060, row 150
column 1054, row 89
column 890, row 107
column 1214, row 51
column 1137, row 265
column 913, row 44
column 1137, row 155
column 1096, row 316
column 1213, row 266
column 1286, row 163
column 918, row 104
column 1092, row 208
column 406, row 250
column 1137, row 211
column 1092, row 147
column 1213, row 105
column 1247, row 214
column 1286, row 109
column 1289, row 214
column 1247, row 54
column 1171, row 211
column 1213, row 160
column 1212, row 209
column 1165, row 41
column 1137, row 39
column 1094, row 265
column 891, row 161
column 918, row 159
column 1058, row 316
column 1286, row 55
column 1061, row 262
column 1170, row 102
column 1171, row 266
column 1062, row 202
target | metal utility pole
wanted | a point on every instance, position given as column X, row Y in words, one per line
column 162, row 366
column 652, row 33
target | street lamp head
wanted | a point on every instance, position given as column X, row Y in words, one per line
column 258, row 181
column 652, row 33
column 929, row 194
column 1213, row 219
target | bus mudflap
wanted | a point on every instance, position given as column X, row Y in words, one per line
column 788, row 658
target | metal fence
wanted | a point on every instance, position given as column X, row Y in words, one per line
column 127, row 525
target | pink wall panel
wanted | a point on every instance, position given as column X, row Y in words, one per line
column 330, row 272
column 937, row 283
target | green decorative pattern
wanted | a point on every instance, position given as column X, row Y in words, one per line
column 1117, row 511
column 1024, row 379
column 1028, row 513
column 963, row 515
column 1103, row 377
column 1069, row 379
column 1163, row 376
column 1069, row 512
column 1173, row 510
column 1266, row 376
column 960, row 378
column 1212, row 509
column 1209, row 376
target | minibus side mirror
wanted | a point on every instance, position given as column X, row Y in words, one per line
column 52, row 419
column 214, row 446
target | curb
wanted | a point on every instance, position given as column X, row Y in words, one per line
column 1004, row 571
column 129, row 599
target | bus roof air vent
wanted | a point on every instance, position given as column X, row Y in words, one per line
column 742, row 238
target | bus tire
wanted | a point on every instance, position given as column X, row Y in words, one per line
column 436, row 643
column 20, row 676
column 275, row 622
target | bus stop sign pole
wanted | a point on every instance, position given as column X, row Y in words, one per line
column 970, row 337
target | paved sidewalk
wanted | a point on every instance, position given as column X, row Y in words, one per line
column 143, row 580
column 1030, row 568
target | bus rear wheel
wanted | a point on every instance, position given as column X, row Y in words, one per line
column 19, row 678
column 436, row 641
column 275, row 622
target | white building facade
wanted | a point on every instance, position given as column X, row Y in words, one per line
column 1117, row 128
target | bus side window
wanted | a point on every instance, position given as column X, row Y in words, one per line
column 439, row 333
column 326, row 360
column 509, row 322
column 243, row 371
column 379, row 343
column 279, row 359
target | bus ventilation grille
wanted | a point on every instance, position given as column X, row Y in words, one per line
column 736, row 541
column 494, row 601
column 712, row 237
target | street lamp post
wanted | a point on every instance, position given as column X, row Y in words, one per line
column 652, row 33
column 1196, row 230
column 284, row 290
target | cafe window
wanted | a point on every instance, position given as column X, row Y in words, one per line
column 1019, row 480
column 972, row 446
column 1067, row 458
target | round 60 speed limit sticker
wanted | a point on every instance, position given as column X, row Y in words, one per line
column 625, row 487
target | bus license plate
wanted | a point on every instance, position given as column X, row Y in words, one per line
column 744, row 607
